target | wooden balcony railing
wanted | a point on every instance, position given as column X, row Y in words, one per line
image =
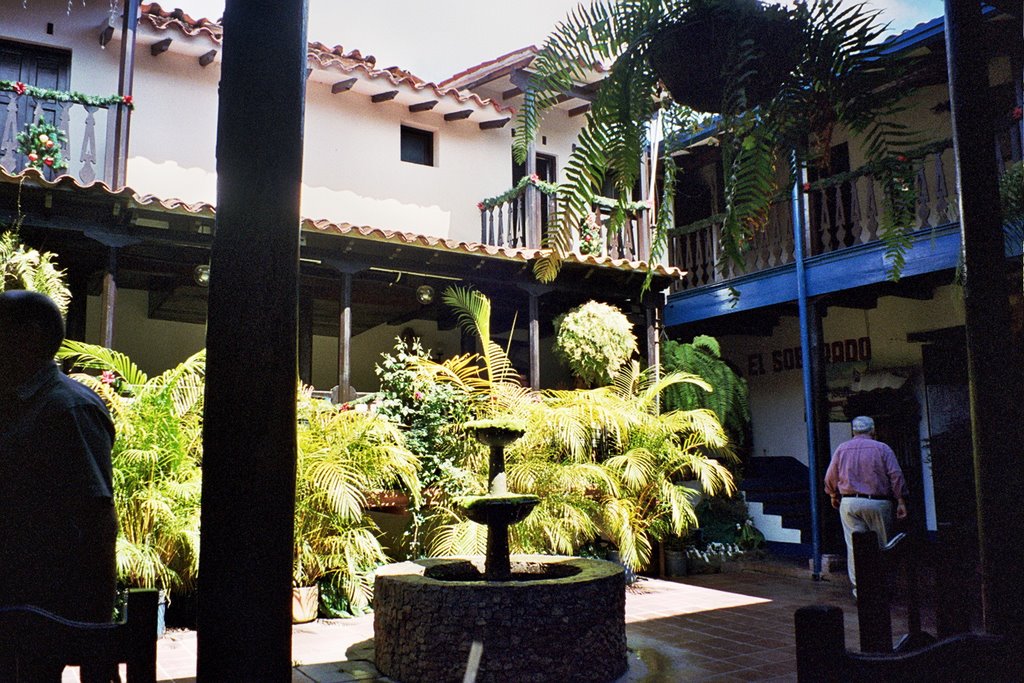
column 81, row 152
column 517, row 219
column 844, row 212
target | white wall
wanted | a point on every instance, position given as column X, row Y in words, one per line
column 154, row 345
column 776, row 397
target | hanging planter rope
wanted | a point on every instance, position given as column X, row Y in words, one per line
column 41, row 143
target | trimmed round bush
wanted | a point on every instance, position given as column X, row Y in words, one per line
column 594, row 340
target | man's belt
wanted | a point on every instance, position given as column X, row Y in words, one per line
column 865, row 495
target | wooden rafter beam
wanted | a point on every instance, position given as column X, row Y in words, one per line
column 343, row 86
column 521, row 79
column 384, row 96
column 580, row 110
column 496, row 123
column 160, row 47
column 207, row 58
column 511, row 92
column 458, row 115
column 422, row 106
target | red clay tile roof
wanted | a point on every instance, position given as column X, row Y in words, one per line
column 176, row 18
column 475, row 73
column 319, row 56
column 174, row 205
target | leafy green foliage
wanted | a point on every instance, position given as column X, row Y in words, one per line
column 156, row 458
column 594, row 340
column 342, row 455
column 727, row 397
column 605, row 462
column 430, row 413
column 842, row 78
column 22, row 267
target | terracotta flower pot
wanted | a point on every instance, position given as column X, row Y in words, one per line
column 305, row 604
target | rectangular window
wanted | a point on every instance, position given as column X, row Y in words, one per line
column 417, row 146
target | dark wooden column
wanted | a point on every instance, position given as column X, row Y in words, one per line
column 348, row 270
column 78, row 283
column 307, row 296
column 653, row 305
column 995, row 390
column 108, row 300
column 534, row 230
column 115, row 171
column 534, row 291
column 248, row 499
column 345, row 392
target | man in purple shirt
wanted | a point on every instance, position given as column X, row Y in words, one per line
column 863, row 480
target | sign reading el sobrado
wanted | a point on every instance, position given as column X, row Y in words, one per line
column 782, row 360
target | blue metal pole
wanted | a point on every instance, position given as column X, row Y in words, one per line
column 799, row 214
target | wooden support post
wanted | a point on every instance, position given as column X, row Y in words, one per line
column 116, row 170
column 306, row 299
column 78, row 283
column 248, row 497
column 534, row 291
column 108, row 300
column 992, row 361
column 345, row 340
column 534, row 230
column 873, row 610
column 534, row 341
column 643, row 217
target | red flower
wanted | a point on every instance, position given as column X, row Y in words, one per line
column 1017, row 113
column 345, row 406
column 127, row 99
column 107, row 377
column 901, row 158
column 534, row 177
column 480, row 206
column 807, row 187
column 19, row 88
column 418, row 396
column 48, row 161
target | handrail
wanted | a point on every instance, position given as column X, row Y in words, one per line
column 83, row 152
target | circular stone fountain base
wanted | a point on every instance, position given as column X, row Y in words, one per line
column 559, row 619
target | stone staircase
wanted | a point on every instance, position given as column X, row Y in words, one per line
column 776, row 491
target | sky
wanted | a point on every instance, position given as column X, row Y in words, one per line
column 437, row 39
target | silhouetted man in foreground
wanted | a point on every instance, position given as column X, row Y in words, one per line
column 57, row 522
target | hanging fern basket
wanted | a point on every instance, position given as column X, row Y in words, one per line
column 699, row 57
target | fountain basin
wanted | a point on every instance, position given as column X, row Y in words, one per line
column 558, row 619
column 498, row 508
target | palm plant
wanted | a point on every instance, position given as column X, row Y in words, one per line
column 728, row 395
column 342, row 455
column 22, row 267
column 840, row 77
column 157, row 458
column 605, row 462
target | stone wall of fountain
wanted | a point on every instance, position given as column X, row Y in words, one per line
column 561, row 619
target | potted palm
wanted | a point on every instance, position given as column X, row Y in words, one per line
column 156, row 463
column 780, row 89
column 341, row 456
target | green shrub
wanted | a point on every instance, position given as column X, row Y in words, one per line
column 594, row 340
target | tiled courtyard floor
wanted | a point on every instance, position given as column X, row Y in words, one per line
column 736, row 626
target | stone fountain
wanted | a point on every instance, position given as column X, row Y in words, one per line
column 531, row 618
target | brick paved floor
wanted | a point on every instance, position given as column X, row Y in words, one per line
column 736, row 626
